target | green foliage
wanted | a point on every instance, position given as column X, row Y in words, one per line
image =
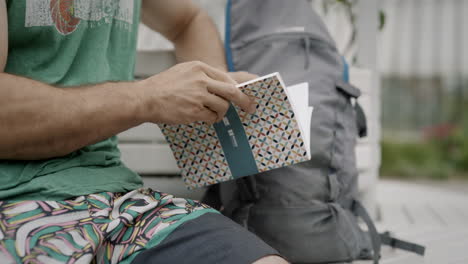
column 456, row 149
column 382, row 19
column 349, row 5
column 436, row 158
column 349, row 9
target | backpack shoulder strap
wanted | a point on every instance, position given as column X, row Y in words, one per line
column 384, row 238
column 387, row 239
column 360, row 211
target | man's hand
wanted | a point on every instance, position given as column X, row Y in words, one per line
column 192, row 91
column 186, row 96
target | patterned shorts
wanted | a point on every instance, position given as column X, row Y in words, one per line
column 115, row 228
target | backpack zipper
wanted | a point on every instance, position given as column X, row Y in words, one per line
column 307, row 37
column 282, row 35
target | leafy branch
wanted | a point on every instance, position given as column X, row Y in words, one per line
column 350, row 11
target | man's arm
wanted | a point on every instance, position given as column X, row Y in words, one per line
column 39, row 121
column 192, row 31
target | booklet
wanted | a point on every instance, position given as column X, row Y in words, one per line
column 242, row 144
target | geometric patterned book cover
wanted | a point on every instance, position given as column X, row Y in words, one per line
column 241, row 144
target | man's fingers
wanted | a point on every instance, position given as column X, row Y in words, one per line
column 208, row 116
column 232, row 94
column 223, row 85
column 216, row 74
column 217, row 104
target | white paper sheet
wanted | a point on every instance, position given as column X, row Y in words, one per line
column 299, row 97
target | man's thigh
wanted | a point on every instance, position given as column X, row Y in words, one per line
column 142, row 225
column 210, row 238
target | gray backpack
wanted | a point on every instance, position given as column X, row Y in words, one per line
column 308, row 211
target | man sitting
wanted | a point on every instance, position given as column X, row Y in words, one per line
column 66, row 88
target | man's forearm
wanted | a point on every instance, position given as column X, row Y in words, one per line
column 38, row 121
column 190, row 29
column 201, row 41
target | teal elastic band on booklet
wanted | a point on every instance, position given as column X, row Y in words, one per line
column 235, row 144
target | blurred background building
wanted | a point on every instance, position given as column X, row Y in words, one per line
column 423, row 66
column 424, row 69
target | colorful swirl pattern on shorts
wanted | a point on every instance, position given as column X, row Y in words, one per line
column 97, row 228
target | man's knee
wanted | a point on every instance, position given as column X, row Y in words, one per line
column 271, row 260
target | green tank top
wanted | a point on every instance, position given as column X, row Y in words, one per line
column 71, row 43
